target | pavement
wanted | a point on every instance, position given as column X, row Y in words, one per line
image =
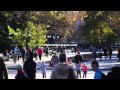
column 105, row 64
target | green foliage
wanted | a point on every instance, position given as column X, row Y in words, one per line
column 97, row 30
column 37, row 35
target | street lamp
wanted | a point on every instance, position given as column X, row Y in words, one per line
column 57, row 36
column 48, row 37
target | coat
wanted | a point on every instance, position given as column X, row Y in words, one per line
column 30, row 68
column 43, row 68
column 63, row 71
column 3, row 70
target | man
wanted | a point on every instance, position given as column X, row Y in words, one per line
column 63, row 70
column 94, row 50
column 15, row 52
column 30, row 66
column 98, row 73
column 118, row 54
column 3, row 70
column 114, row 73
column 78, row 60
column 23, row 52
column 110, row 52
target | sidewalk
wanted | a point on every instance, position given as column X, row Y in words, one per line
column 105, row 64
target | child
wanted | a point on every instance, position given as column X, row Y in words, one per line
column 20, row 73
column 85, row 69
column 43, row 69
column 69, row 61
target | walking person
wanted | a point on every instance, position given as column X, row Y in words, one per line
column 43, row 69
column 40, row 52
column 100, row 51
column 3, row 70
column 15, row 54
column 105, row 52
column 23, row 53
column 30, row 66
column 110, row 52
column 78, row 60
column 63, row 70
column 54, row 59
column 118, row 55
column 94, row 50
column 98, row 73
column 18, row 54
column 36, row 55
column 47, row 51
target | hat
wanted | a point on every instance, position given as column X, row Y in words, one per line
column 19, row 67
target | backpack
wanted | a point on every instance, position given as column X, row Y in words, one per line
column 103, row 75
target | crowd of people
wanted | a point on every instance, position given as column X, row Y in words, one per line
column 105, row 51
column 62, row 67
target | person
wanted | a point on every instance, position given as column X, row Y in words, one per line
column 47, row 51
column 85, row 70
column 110, row 52
column 69, row 60
column 98, row 73
column 15, row 54
column 63, row 70
column 30, row 66
column 35, row 55
column 18, row 54
column 100, row 53
column 105, row 52
column 6, row 55
column 114, row 73
column 40, row 52
column 94, row 50
column 3, row 69
column 78, row 60
column 54, row 59
column 43, row 69
column 118, row 54
column 20, row 73
column 23, row 53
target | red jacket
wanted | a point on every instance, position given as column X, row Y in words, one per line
column 85, row 68
column 39, row 51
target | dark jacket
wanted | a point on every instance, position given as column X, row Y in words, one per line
column 23, row 51
column 78, row 58
column 21, row 75
column 30, row 68
column 114, row 73
column 3, row 70
column 110, row 50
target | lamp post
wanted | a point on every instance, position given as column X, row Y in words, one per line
column 48, row 37
column 56, row 37
column 53, row 38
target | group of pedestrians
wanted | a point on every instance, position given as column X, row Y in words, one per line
column 62, row 67
column 101, row 52
column 23, row 52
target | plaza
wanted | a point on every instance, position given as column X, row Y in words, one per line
column 105, row 66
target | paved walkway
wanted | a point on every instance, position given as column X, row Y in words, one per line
column 105, row 64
